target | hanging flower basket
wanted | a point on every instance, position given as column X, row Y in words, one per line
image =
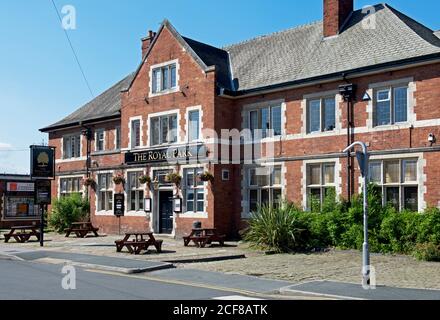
column 144, row 179
column 119, row 179
column 206, row 177
column 174, row 178
column 89, row 182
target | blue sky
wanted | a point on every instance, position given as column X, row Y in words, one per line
column 40, row 80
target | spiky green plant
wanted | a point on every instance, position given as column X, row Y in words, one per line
column 273, row 228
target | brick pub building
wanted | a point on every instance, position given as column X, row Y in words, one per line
column 289, row 85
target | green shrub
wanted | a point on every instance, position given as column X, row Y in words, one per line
column 274, row 229
column 427, row 252
column 67, row 210
column 429, row 227
column 339, row 224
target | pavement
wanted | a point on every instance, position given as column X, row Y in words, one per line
column 351, row 291
column 93, row 262
column 23, row 280
column 105, row 265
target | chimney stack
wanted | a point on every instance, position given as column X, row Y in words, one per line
column 146, row 42
column 336, row 13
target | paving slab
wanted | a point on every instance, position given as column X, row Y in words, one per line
column 94, row 262
column 228, row 281
column 353, row 291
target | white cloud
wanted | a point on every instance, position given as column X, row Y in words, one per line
column 5, row 146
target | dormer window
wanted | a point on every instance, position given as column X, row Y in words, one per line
column 164, row 78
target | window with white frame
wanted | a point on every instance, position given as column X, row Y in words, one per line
column 135, row 133
column 193, row 191
column 99, row 138
column 193, row 125
column 397, row 181
column 69, row 186
column 163, row 129
column 159, row 176
column 105, row 192
column 390, row 105
column 320, row 181
column 135, row 192
column 266, row 119
column 164, row 78
column 321, row 115
column 118, row 138
column 265, row 187
column 72, row 146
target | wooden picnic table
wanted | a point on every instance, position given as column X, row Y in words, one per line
column 82, row 229
column 135, row 242
column 203, row 236
column 24, row 234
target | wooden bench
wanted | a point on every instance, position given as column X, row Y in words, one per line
column 24, row 236
column 204, row 236
column 138, row 243
column 81, row 229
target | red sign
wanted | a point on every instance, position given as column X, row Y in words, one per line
column 20, row 187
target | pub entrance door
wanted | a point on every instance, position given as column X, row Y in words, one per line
column 166, row 212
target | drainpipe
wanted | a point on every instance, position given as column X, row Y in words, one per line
column 348, row 93
column 87, row 132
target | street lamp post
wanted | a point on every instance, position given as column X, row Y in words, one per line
column 363, row 158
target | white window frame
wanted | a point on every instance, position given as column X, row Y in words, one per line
column 322, row 185
column 99, row 189
column 383, row 185
column 161, row 142
column 97, row 133
column 321, row 100
column 159, row 114
column 137, row 190
column 391, row 98
column 196, row 186
column 69, row 136
column 269, row 107
column 61, row 193
column 131, row 133
column 118, row 139
column 259, row 188
column 187, row 126
column 167, row 91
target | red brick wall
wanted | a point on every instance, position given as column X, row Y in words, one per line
column 335, row 14
column 224, row 198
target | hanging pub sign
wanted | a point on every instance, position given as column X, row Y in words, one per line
column 42, row 162
column 180, row 155
column 119, row 204
column 43, row 192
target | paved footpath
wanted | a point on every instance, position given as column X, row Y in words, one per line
column 14, row 261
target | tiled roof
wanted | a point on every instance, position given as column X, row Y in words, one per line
column 297, row 54
column 302, row 53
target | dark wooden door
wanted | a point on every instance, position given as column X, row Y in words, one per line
column 166, row 212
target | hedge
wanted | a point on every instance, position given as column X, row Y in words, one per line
column 287, row 228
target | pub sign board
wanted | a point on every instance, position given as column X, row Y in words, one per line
column 43, row 192
column 173, row 155
column 42, row 162
column 119, row 204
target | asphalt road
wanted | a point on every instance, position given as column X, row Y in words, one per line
column 33, row 281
